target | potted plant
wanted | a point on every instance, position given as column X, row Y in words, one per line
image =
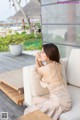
column 15, row 44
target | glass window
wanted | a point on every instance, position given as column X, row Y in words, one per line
column 61, row 23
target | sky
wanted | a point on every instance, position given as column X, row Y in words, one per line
column 7, row 10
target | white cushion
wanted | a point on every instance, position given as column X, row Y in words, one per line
column 27, row 88
column 74, row 113
column 73, row 68
column 64, row 62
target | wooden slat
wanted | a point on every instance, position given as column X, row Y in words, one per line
column 20, row 90
column 36, row 115
column 12, row 93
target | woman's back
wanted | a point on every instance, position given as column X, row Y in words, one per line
column 53, row 80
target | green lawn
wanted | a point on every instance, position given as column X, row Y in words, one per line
column 33, row 44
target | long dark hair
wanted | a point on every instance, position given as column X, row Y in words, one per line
column 52, row 52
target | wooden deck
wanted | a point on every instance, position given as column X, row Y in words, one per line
column 8, row 66
column 9, row 62
column 17, row 97
column 7, row 105
column 13, row 78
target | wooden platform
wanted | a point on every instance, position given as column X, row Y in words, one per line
column 12, row 93
column 10, row 62
column 36, row 115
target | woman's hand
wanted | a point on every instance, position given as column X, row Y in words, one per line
column 38, row 60
column 38, row 56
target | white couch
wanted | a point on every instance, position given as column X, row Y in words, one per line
column 32, row 87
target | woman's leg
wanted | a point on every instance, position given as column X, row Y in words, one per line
column 38, row 100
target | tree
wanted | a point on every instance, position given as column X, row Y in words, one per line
column 18, row 3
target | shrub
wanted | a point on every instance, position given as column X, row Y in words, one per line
column 17, row 39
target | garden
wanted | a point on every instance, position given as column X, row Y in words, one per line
column 29, row 41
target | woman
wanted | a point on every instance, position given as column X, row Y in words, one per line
column 50, row 69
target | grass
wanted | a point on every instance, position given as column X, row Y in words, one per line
column 33, row 44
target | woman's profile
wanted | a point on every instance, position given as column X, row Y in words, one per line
column 48, row 66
